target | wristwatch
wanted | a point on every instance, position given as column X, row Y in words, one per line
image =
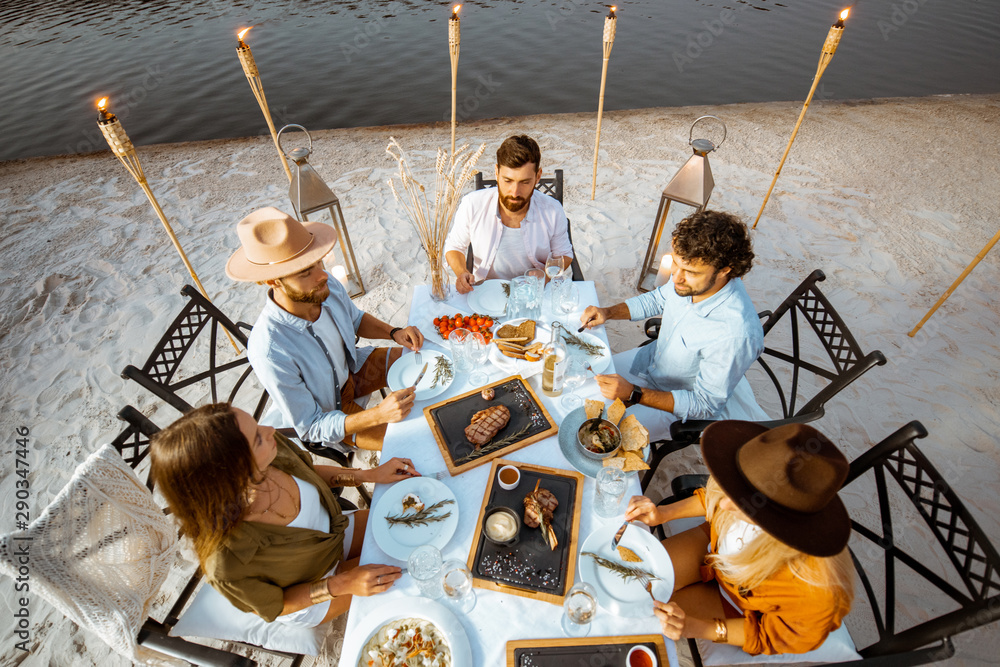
column 635, row 397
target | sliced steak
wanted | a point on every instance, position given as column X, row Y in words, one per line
column 486, row 424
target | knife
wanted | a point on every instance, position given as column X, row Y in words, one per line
column 420, row 377
column 618, row 535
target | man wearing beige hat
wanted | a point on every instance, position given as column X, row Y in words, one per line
column 302, row 346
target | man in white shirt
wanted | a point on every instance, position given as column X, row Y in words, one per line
column 512, row 227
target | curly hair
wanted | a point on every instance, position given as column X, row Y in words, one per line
column 519, row 150
column 203, row 465
column 719, row 239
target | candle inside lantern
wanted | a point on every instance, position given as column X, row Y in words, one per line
column 240, row 34
column 340, row 273
column 663, row 275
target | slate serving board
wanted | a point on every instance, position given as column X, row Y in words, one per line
column 572, row 652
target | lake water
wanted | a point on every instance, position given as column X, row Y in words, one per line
column 172, row 73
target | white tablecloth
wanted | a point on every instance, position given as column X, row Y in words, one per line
column 497, row 617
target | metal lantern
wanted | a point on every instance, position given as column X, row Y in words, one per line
column 309, row 193
column 692, row 186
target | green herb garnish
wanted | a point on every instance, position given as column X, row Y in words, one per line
column 421, row 518
column 492, row 446
column 443, row 371
column 590, row 349
column 506, row 289
column 626, row 572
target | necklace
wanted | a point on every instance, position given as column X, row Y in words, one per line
column 272, row 498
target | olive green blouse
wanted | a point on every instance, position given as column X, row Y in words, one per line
column 257, row 560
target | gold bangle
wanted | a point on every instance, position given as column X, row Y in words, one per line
column 721, row 631
column 345, row 479
column 319, row 591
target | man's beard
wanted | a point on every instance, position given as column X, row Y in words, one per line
column 512, row 204
column 689, row 291
column 317, row 295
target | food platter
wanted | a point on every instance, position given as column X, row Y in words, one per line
column 406, row 369
column 511, row 365
column 567, row 444
column 626, row 597
column 529, row 567
column 574, row 651
column 529, row 422
column 598, row 362
column 435, row 612
column 399, row 540
column 490, row 297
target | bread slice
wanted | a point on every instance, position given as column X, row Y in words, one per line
column 633, row 462
column 594, row 409
column 615, row 411
column 634, row 435
column 614, row 462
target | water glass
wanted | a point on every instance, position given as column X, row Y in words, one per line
column 478, row 351
column 568, row 296
column 460, row 340
column 425, row 565
column 609, row 492
column 520, row 292
column 579, row 609
column 536, row 278
column 457, row 585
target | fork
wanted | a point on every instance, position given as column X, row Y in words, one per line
column 440, row 474
column 646, row 583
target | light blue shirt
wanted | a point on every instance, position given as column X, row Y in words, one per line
column 702, row 352
column 295, row 365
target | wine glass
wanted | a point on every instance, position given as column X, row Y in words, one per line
column 579, row 608
column 478, row 350
column 576, row 375
column 457, row 583
column 568, row 298
column 553, row 266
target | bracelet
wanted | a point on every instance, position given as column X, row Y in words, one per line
column 344, row 479
column 319, row 591
column 721, row 631
column 395, row 330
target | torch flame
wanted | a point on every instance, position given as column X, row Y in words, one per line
column 102, row 103
column 240, row 34
column 843, row 14
column 614, row 8
column 454, row 10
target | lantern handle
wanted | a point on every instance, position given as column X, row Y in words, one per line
column 725, row 131
column 293, row 125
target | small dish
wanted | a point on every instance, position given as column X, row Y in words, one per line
column 501, row 526
column 640, row 656
column 508, row 478
column 587, row 431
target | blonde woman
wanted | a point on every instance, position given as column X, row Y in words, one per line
column 268, row 531
column 769, row 571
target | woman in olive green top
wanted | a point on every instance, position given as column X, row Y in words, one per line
column 268, row 531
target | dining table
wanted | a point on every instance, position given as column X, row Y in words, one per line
column 497, row 616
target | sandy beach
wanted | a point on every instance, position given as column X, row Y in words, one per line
column 891, row 198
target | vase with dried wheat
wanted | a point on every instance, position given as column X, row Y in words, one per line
column 432, row 218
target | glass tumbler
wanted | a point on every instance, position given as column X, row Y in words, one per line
column 457, row 585
column 459, row 341
column 579, row 609
column 425, row 565
column 609, row 492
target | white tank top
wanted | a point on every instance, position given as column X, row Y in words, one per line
column 311, row 514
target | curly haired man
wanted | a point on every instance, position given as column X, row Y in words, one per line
column 709, row 336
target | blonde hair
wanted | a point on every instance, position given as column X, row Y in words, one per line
column 764, row 556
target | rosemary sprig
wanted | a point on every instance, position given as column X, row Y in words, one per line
column 590, row 349
column 442, row 371
column 421, row 518
column 493, row 446
column 626, row 572
column 506, row 289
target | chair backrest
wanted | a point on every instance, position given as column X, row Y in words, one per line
column 159, row 374
column 133, row 442
column 553, row 186
column 845, row 361
column 923, row 550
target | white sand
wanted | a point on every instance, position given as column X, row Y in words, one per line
column 891, row 198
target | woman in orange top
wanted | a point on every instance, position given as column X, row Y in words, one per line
column 775, row 543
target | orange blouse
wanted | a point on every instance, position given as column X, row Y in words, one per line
column 784, row 614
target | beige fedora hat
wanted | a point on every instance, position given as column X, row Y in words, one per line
column 275, row 245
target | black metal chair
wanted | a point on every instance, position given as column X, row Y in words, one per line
column 832, row 358
column 966, row 596
column 226, row 378
column 550, row 186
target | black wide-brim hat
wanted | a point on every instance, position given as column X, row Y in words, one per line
column 784, row 479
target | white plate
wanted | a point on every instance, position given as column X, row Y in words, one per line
column 399, row 541
column 513, row 366
column 406, row 369
column 489, row 298
column 627, row 598
column 435, row 612
column 598, row 363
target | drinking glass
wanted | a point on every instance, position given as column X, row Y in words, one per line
column 579, row 609
column 536, row 278
column 609, row 491
column 425, row 565
column 520, row 291
column 576, row 375
column 459, row 342
column 457, row 585
column 478, row 349
column 553, row 266
column 568, row 297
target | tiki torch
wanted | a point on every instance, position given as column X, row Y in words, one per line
column 123, row 149
column 253, row 77
column 454, row 43
column 829, row 48
column 610, row 26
